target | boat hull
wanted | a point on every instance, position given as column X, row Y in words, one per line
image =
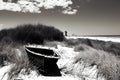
column 45, row 65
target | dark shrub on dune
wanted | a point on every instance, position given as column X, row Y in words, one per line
column 32, row 34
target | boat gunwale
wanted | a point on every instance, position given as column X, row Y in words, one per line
column 39, row 54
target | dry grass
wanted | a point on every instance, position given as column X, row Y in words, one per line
column 107, row 64
column 13, row 53
column 112, row 47
column 53, row 43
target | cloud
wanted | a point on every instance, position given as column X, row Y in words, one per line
column 35, row 6
column 70, row 11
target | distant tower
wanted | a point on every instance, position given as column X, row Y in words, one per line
column 66, row 33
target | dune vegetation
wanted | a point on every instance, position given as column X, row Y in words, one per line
column 102, row 58
column 109, row 46
column 13, row 40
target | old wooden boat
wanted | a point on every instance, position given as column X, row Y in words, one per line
column 43, row 59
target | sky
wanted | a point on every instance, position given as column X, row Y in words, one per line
column 78, row 17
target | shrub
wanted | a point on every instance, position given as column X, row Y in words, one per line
column 32, row 34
